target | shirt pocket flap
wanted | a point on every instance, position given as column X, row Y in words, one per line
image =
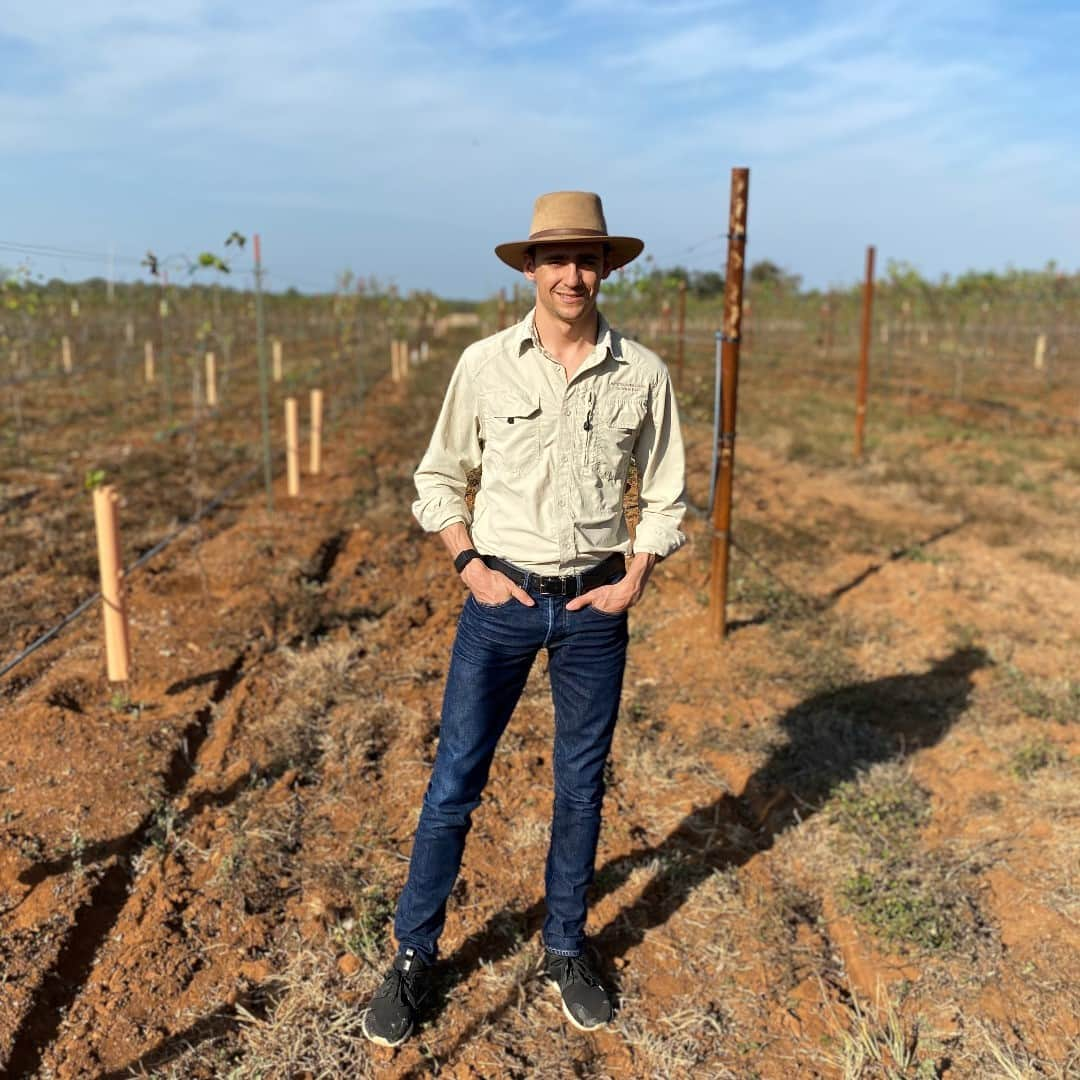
column 626, row 414
column 511, row 406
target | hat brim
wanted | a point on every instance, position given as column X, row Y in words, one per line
column 621, row 249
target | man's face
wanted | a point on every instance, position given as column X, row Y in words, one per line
column 567, row 278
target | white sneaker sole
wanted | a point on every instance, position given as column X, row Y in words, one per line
column 378, row 1040
column 570, row 1016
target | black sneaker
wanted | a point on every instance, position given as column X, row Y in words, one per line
column 585, row 1002
column 392, row 1014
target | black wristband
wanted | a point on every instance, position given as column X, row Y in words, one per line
column 464, row 558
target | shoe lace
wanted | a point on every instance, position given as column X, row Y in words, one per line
column 577, row 967
column 401, row 987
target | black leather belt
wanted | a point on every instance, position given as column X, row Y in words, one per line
column 600, row 574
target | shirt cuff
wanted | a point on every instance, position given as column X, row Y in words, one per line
column 661, row 538
column 434, row 515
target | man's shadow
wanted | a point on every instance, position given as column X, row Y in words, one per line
column 830, row 738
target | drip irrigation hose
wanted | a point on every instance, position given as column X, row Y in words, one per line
column 160, row 546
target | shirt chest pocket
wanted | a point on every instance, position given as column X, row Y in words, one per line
column 613, row 430
column 511, row 431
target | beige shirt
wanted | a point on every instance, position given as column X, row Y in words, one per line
column 555, row 453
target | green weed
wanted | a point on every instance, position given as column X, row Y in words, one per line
column 163, row 822
column 1032, row 755
column 365, row 934
column 892, row 808
column 903, row 894
column 903, row 906
column 76, row 850
column 1043, row 699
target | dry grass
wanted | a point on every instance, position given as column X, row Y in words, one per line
column 682, row 1042
column 309, row 1030
column 877, row 1041
column 995, row 1056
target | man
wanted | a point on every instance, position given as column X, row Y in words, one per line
column 553, row 409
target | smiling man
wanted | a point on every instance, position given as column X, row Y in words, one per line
column 554, row 409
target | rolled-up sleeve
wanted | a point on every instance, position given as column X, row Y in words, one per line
column 454, row 450
column 661, row 465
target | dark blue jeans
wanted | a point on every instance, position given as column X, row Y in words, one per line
column 493, row 652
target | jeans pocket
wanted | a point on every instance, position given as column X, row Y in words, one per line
column 608, row 614
column 490, row 607
column 611, row 614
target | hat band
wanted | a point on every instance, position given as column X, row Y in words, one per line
column 544, row 234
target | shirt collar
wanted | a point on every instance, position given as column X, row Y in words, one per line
column 606, row 338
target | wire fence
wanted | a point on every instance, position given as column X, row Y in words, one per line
column 105, row 420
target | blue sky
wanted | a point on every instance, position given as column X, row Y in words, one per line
column 406, row 139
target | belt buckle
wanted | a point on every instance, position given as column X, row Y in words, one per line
column 551, row 586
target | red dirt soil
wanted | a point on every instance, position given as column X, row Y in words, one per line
column 174, row 858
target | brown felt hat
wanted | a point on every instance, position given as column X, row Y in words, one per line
column 570, row 217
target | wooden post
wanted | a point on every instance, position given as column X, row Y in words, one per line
column 1040, row 352
column 733, row 289
column 424, row 352
column 275, row 347
column 211, row 381
column 864, row 354
column 117, row 648
column 292, row 446
column 148, row 361
column 680, row 348
column 65, row 353
column 129, row 333
column 502, row 309
column 316, row 431
column 399, row 360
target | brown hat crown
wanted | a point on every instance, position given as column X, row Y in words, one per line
column 565, row 216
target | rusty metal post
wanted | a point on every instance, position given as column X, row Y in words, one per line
column 680, row 350
column 864, row 353
column 729, row 359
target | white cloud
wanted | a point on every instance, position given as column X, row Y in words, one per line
column 467, row 109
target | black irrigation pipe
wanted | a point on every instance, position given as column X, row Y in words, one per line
column 146, row 556
column 141, row 561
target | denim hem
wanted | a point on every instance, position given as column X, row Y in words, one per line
column 427, row 955
column 562, row 952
